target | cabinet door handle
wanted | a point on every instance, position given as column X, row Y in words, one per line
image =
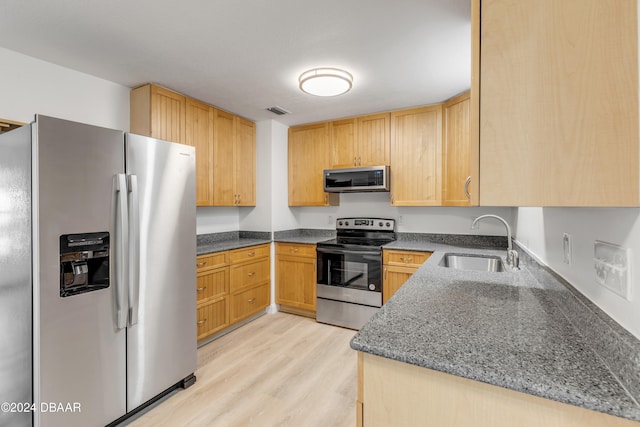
column 359, row 161
column 251, row 254
column 385, row 273
column 355, row 161
column 201, row 289
column 293, row 250
column 251, row 273
column 251, row 300
column 408, row 259
column 201, row 264
column 200, row 322
column 466, row 188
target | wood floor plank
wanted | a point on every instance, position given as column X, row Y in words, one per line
column 279, row 370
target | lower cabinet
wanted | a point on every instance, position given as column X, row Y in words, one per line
column 296, row 278
column 231, row 286
column 398, row 266
column 393, row 393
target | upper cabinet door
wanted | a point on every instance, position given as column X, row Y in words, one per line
column 343, row 143
column 558, row 102
column 416, row 156
column 374, row 147
column 200, row 136
column 245, row 163
column 223, row 165
column 168, row 111
column 309, row 156
column 460, row 154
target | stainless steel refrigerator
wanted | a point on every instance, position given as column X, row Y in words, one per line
column 97, row 276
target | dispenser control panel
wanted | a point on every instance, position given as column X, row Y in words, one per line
column 84, row 263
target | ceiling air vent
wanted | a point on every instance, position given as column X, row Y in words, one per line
column 278, row 110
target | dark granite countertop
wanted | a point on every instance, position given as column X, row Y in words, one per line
column 304, row 236
column 507, row 329
column 226, row 241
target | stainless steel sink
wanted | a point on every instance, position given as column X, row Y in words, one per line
column 473, row 262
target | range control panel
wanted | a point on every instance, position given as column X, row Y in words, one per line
column 374, row 224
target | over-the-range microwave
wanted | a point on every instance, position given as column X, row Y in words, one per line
column 352, row 180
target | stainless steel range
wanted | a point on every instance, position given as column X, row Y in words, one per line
column 349, row 274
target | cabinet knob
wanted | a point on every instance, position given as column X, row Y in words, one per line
column 293, row 250
column 200, row 322
column 201, row 264
column 251, row 273
column 251, row 254
column 201, row 289
column 251, row 300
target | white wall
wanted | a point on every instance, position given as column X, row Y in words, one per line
column 283, row 217
column 541, row 231
column 443, row 220
column 31, row 86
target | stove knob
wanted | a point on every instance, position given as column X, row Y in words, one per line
column 372, row 287
column 388, row 224
column 380, row 223
column 340, row 223
column 346, row 223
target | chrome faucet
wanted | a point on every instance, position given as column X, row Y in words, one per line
column 512, row 256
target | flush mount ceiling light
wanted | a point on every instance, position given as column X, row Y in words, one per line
column 325, row 81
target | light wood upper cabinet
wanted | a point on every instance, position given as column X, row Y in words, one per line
column 344, row 150
column 558, row 84
column 225, row 143
column 158, row 112
column 374, row 136
column 416, row 156
column 460, row 154
column 309, row 155
column 360, row 141
column 234, row 160
column 244, row 177
column 200, row 136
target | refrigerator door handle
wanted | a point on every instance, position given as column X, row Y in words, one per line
column 121, row 250
column 134, row 249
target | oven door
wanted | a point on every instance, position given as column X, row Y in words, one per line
column 350, row 275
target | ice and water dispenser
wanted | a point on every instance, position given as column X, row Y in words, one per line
column 84, row 263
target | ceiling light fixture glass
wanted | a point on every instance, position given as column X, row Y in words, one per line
column 325, row 81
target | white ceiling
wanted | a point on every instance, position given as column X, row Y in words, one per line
column 246, row 55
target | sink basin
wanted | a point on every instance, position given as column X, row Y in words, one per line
column 473, row 262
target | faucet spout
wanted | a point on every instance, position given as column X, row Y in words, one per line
column 512, row 256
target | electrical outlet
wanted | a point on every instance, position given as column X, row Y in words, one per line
column 331, row 220
column 400, row 220
column 612, row 268
column 566, row 248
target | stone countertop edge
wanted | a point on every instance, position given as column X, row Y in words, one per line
column 309, row 236
column 515, row 330
column 225, row 241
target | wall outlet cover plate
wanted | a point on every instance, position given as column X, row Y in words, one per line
column 613, row 267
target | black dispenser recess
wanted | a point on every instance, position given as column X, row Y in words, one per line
column 84, row 263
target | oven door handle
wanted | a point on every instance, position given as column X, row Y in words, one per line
column 346, row 251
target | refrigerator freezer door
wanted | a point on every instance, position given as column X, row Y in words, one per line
column 161, row 346
column 15, row 276
column 80, row 353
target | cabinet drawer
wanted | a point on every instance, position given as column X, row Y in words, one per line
column 249, row 254
column 249, row 274
column 213, row 317
column 296, row 249
column 209, row 261
column 248, row 302
column 212, row 284
column 406, row 258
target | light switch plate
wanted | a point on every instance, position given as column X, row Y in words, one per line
column 613, row 268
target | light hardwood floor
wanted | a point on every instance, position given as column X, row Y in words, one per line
column 279, row 370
